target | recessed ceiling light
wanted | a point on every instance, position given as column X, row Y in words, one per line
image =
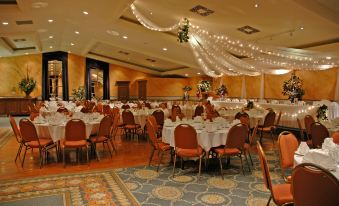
column 256, row 5
column 39, row 5
column 51, row 47
column 51, row 37
column 77, row 32
column 50, row 20
column 85, row 12
column 328, row 57
column 5, row 23
column 72, row 44
column 301, row 28
column 186, row 75
column 26, row 53
column 198, row 73
column 125, row 37
column 69, row 52
column 151, row 13
column 112, row 32
column 165, row 49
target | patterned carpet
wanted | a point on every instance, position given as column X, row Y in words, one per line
column 90, row 188
column 152, row 188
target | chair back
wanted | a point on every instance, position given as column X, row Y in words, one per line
column 148, row 105
column 28, row 131
column 105, row 126
column 152, row 119
column 318, row 132
column 185, row 137
column 313, row 185
column 15, row 129
column 125, row 106
column 115, row 110
column 288, row 144
column 198, row 110
column 237, row 136
column 75, row 130
column 99, row 107
column 159, row 116
column 269, row 119
column 278, row 119
column 245, row 119
column 308, row 120
column 128, row 117
column 85, row 110
column 264, row 167
column 300, row 129
column 335, row 137
column 33, row 115
column 254, row 133
column 152, row 133
column 62, row 110
column 175, row 112
column 106, row 109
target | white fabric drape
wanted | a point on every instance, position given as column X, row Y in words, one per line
column 243, row 88
column 336, row 94
column 262, row 86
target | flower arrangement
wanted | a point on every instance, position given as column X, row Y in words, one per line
column 183, row 31
column 222, row 90
column 322, row 112
column 187, row 88
column 79, row 94
column 293, row 88
column 204, row 86
column 250, row 105
column 27, row 84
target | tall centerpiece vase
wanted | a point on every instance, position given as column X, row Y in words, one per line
column 186, row 96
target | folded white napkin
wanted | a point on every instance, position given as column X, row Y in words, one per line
column 219, row 119
column 303, row 148
column 210, row 127
column 198, row 119
column 320, row 157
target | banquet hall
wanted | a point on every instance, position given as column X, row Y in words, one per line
column 169, row 102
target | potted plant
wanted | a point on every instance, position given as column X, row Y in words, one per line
column 186, row 90
column 79, row 93
column 27, row 85
column 221, row 91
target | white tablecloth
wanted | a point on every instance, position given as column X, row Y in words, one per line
column 58, row 132
column 298, row 159
column 206, row 140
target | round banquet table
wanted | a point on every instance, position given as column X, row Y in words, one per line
column 206, row 140
column 298, row 159
column 57, row 132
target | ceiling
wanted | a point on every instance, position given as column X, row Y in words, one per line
column 110, row 32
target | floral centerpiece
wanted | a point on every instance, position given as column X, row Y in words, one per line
column 250, row 105
column 186, row 90
column 79, row 93
column 293, row 88
column 322, row 112
column 204, row 86
column 27, row 85
column 222, row 90
column 183, row 31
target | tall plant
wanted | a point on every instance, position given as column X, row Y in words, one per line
column 27, row 84
column 293, row 88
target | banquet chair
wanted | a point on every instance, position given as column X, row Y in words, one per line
column 176, row 112
column 157, row 127
column 17, row 134
column 106, row 109
column 99, row 107
column 318, row 132
column 234, row 146
column 308, row 120
column 30, row 140
column 186, row 145
column 313, row 185
column 159, row 116
column 247, row 145
column 198, row 110
column 156, row 143
column 280, row 193
column 148, row 105
column 103, row 135
column 300, row 129
column 125, row 106
column 75, row 137
column 288, row 145
column 268, row 125
column 335, row 137
column 33, row 115
column 130, row 127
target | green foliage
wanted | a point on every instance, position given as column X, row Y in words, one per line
column 250, row 105
column 293, row 88
column 187, row 88
column 79, row 94
column 27, row 85
column 222, row 90
column 322, row 112
column 183, row 31
column 204, row 86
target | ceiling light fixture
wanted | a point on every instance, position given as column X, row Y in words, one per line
column 51, row 37
column 186, row 75
column 256, row 5
column 301, row 28
column 50, row 20
column 51, row 47
column 112, row 32
column 198, row 73
column 85, row 12
column 165, row 49
column 77, row 32
column 26, row 53
column 328, row 57
column 69, row 52
column 5, row 23
column 125, row 37
column 72, row 44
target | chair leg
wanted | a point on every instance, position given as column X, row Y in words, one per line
column 248, row 165
column 269, row 200
column 242, row 166
column 63, row 157
column 161, row 155
column 271, row 134
column 96, row 152
column 261, row 134
column 41, row 157
column 19, row 152
column 109, row 149
column 151, row 156
column 175, row 158
column 220, row 164
column 87, row 155
column 249, row 154
column 113, row 146
column 23, row 160
column 199, row 168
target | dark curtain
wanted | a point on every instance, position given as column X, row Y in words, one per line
column 59, row 56
column 104, row 66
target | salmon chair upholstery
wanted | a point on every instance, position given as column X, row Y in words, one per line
column 130, row 127
column 186, row 144
column 308, row 120
column 287, row 144
column 155, row 125
column 335, row 137
column 280, row 193
column 17, row 134
column 30, row 140
column 234, row 146
column 75, row 137
column 104, row 135
column 156, row 143
column 313, row 185
column 247, row 145
column 159, row 116
column 62, row 110
column 106, row 109
column 125, row 106
column 198, row 110
column 318, row 132
column 268, row 126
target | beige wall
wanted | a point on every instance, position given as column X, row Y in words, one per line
column 317, row 84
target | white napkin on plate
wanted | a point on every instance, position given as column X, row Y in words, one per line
column 168, row 122
column 320, row 157
column 302, row 149
column 198, row 119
